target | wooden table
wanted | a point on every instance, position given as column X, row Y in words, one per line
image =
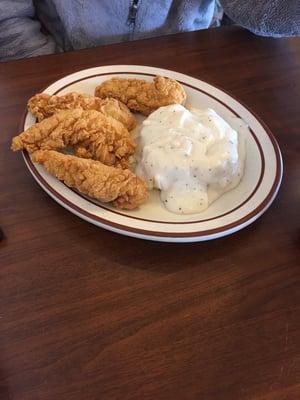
column 87, row 314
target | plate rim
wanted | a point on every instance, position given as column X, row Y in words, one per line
column 159, row 235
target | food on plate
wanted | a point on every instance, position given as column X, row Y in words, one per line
column 91, row 134
column 193, row 157
column 43, row 105
column 107, row 184
column 143, row 96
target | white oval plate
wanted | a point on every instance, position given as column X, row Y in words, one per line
column 230, row 213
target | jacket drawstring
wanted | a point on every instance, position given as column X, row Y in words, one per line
column 132, row 16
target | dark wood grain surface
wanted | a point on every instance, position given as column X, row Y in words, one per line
column 88, row 314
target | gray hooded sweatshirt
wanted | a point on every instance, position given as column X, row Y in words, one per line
column 34, row 27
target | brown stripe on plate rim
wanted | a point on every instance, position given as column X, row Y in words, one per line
column 105, row 222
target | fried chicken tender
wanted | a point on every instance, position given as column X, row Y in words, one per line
column 90, row 133
column 143, row 96
column 104, row 183
column 43, row 105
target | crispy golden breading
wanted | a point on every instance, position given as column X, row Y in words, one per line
column 91, row 133
column 43, row 105
column 143, row 96
column 107, row 184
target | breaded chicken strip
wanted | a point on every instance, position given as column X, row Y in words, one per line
column 91, row 133
column 107, row 184
column 43, row 105
column 143, row 96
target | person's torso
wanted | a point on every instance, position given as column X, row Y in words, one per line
column 76, row 24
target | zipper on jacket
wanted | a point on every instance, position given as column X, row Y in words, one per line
column 132, row 16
